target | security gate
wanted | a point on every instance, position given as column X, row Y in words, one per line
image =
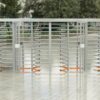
column 6, row 42
column 49, row 45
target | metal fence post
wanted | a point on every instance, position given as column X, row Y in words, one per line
column 85, row 49
column 50, row 43
column 13, row 45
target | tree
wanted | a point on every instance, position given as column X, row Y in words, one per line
column 63, row 8
column 36, row 6
column 11, row 9
column 98, row 8
column 60, row 8
column 53, row 8
column 88, row 9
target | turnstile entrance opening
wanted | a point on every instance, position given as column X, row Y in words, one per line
column 50, row 46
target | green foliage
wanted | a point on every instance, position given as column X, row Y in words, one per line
column 67, row 9
column 38, row 10
column 88, row 9
column 53, row 8
column 98, row 7
column 56, row 9
column 11, row 9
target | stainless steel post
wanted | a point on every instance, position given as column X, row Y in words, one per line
column 50, row 43
column 13, row 45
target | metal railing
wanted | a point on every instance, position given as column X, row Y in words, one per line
column 65, row 44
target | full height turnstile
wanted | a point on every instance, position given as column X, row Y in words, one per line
column 49, row 45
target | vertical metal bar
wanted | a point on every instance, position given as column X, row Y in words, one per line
column 84, row 75
column 18, row 42
column 85, row 49
column 83, row 42
column 0, row 52
column 77, row 55
column 99, row 43
column 22, row 45
column 13, row 45
column 68, row 45
column 80, row 55
column 23, row 56
column 79, row 45
column 31, row 45
column 50, row 43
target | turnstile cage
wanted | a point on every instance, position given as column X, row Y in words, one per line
column 49, row 44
